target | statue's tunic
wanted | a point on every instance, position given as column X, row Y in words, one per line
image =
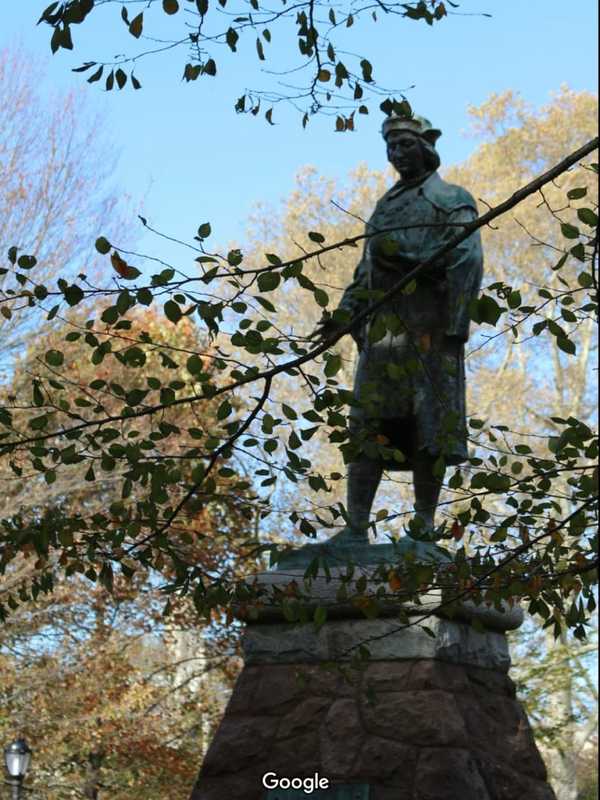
column 410, row 384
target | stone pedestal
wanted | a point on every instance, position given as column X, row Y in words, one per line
column 432, row 714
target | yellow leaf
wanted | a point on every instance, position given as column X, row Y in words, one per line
column 394, row 581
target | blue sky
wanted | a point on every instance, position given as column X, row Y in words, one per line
column 186, row 157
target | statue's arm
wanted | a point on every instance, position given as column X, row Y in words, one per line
column 351, row 304
column 464, row 271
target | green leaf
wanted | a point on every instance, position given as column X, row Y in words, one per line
column 163, row 277
column 569, row 231
column 566, row 345
column 27, row 262
column 144, row 296
column 103, row 245
column 266, row 304
column 121, row 78
column 134, row 357
column 54, row 358
column 585, row 280
column 38, row 397
column 55, row 41
column 234, row 257
column 96, row 76
column 224, row 410
column 289, row 411
column 486, row 309
column 333, row 365
column 204, row 230
column 587, row 216
column 172, row 311
column 293, row 441
column 523, row 449
column 110, row 315
column 578, row 251
column 577, row 193
column 317, row 237
column 73, row 294
column 231, row 37
column 377, row 330
column 321, row 297
column 194, row 365
column 268, row 281
column 514, row 299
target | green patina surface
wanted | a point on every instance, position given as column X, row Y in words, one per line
column 361, row 553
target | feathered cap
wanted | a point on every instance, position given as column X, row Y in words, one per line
column 418, row 125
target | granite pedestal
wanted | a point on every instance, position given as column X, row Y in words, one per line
column 431, row 715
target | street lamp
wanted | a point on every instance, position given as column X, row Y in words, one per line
column 17, row 758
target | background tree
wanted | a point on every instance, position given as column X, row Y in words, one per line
column 55, row 182
column 95, row 672
column 96, row 681
column 555, row 681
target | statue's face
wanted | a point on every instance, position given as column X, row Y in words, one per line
column 404, row 151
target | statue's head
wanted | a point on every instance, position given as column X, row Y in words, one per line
column 411, row 145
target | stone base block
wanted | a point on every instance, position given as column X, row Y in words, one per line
column 386, row 638
column 322, row 590
column 412, row 729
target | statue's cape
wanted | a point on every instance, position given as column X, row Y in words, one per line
column 445, row 196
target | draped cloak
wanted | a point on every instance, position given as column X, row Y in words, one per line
column 409, row 385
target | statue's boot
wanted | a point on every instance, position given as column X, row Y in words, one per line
column 349, row 537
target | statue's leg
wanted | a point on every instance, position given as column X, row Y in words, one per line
column 427, row 488
column 364, row 477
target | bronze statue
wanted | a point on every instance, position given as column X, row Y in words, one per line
column 409, row 385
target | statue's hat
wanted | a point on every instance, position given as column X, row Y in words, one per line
column 417, row 125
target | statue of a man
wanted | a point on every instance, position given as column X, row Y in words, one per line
column 409, row 385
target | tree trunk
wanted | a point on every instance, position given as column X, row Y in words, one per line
column 562, row 759
column 91, row 788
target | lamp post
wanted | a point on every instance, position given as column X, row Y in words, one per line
column 17, row 758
